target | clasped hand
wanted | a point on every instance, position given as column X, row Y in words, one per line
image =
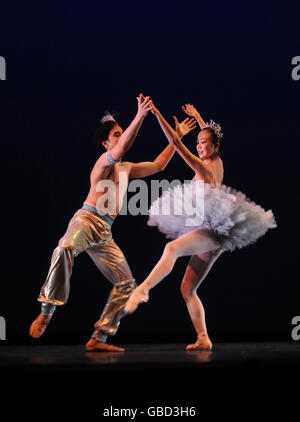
column 145, row 104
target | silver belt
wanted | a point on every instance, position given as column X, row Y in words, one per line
column 94, row 211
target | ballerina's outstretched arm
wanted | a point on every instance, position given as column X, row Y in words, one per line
column 174, row 139
column 191, row 111
column 148, row 168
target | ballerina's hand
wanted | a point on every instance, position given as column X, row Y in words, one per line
column 185, row 126
column 152, row 108
column 144, row 105
column 190, row 110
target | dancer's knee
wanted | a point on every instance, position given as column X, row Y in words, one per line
column 187, row 291
column 65, row 246
column 171, row 249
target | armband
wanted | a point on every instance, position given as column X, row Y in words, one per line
column 110, row 159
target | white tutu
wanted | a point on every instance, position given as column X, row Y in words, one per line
column 234, row 218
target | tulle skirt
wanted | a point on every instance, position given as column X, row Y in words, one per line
column 235, row 219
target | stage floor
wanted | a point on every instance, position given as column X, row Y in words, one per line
column 146, row 375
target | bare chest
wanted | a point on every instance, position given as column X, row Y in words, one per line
column 116, row 174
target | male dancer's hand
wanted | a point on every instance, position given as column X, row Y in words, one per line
column 144, row 105
column 185, row 126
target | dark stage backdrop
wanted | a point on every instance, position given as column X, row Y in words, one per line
column 66, row 63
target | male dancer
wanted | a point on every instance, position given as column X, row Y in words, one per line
column 90, row 230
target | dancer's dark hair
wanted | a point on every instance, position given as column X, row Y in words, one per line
column 102, row 131
column 214, row 137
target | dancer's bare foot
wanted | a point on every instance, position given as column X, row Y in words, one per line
column 203, row 343
column 138, row 296
column 98, row 346
column 39, row 325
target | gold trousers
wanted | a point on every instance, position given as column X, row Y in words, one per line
column 89, row 233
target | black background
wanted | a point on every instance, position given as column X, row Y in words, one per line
column 68, row 62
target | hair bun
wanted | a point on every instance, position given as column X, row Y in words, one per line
column 107, row 118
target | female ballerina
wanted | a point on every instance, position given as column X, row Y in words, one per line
column 230, row 221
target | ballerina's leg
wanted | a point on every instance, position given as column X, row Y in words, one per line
column 197, row 269
column 192, row 243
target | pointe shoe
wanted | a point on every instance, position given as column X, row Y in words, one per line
column 94, row 345
column 203, row 343
column 137, row 297
column 39, row 325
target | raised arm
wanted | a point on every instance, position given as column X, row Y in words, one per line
column 192, row 160
column 148, row 168
column 190, row 110
column 128, row 136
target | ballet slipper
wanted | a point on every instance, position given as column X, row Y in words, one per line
column 94, row 345
column 203, row 343
column 137, row 296
column 39, row 325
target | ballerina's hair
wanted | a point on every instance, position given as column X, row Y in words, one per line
column 106, row 123
column 216, row 134
column 214, row 137
column 215, row 130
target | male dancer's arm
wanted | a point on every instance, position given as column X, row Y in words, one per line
column 128, row 136
column 148, row 168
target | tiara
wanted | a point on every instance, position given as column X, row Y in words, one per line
column 215, row 127
column 107, row 117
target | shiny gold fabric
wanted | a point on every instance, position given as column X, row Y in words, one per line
column 89, row 233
